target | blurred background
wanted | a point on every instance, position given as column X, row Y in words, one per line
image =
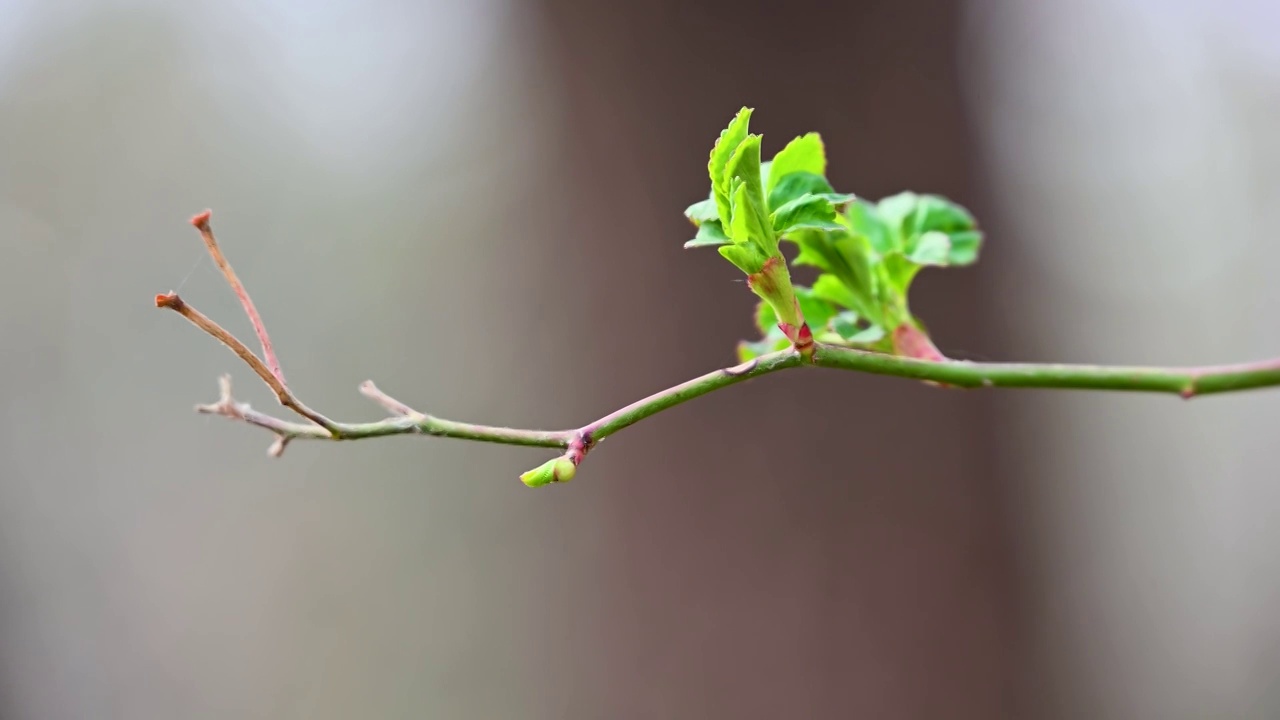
column 478, row 203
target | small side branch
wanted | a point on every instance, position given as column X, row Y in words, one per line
column 201, row 223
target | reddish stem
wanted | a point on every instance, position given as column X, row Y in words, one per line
column 201, row 223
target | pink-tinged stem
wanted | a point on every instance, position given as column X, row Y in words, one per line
column 201, row 223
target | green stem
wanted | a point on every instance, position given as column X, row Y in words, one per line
column 1186, row 382
column 688, row 390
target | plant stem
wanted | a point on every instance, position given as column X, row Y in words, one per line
column 688, row 390
column 404, row 420
column 1186, row 382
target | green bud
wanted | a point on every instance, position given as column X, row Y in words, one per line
column 559, row 469
column 564, row 469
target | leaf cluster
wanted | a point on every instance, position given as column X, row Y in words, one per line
column 867, row 254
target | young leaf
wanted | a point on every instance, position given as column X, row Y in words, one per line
column 864, row 219
column 816, row 310
column 743, row 170
column 893, row 210
column 845, row 324
column 747, row 226
column 774, row 342
column 855, row 335
column 933, row 212
column 766, row 318
column 829, row 288
column 728, row 142
column 703, row 211
column 809, row 212
column 805, row 154
column 709, row 234
column 931, row 248
column 799, row 184
column 850, row 259
column 745, row 256
column 965, row 246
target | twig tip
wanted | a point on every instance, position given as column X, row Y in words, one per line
column 201, row 220
column 277, row 447
column 168, row 300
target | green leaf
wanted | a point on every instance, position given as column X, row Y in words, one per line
column 721, row 153
column 809, row 212
column 845, row 324
column 747, row 198
column 766, row 318
column 746, row 257
column 829, row 288
column 936, row 213
column 965, row 246
column 816, row 310
column 709, row 234
column 895, row 208
column 900, row 271
column 798, row 185
column 748, row 351
column 804, row 154
column 848, row 257
column 703, row 211
column 931, row 248
column 864, row 219
column 747, row 226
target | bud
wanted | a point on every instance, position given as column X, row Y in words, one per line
column 559, row 469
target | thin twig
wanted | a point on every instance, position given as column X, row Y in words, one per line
column 172, row 301
column 393, row 406
column 201, row 223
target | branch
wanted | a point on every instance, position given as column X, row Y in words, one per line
column 1185, row 382
column 576, row 443
column 201, row 223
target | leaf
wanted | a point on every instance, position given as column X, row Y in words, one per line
column 721, row 153
column 829, row 288
column 932, row 248
column 864, row 219
column 869, row 336
column 743, row 174
column 849, row 258
column 845, row 324
column 807, row 212
column 747, row 226
column 748, row 351
column 703, row 211
column 900, row 271
column 746, row 257
column 798, row 185
column 766, row 318
column 804, row 154
column 936, row 213
column 709, row 234
column 816, row 310
column 965, row 246
column 895, row 208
